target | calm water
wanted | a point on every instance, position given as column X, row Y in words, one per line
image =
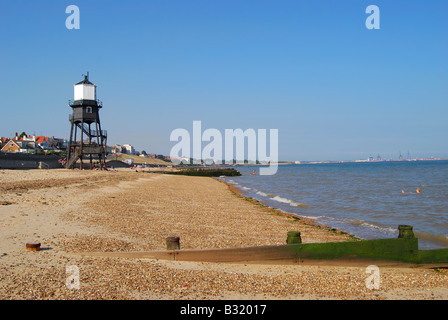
column 364, row 199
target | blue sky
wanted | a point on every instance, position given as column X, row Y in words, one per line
column 311, row 69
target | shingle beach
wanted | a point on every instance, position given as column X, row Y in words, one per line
column 71, row 212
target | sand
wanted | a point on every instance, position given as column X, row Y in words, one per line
column 72, row 212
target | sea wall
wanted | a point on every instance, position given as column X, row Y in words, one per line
column 28, row 161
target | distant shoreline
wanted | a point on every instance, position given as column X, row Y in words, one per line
column 35, row 161
column 362, row 161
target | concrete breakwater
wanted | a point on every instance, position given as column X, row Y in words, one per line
column 28, row 161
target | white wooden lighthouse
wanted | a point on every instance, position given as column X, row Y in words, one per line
column 87, row 140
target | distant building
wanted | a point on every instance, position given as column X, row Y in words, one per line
column 32, row 144
column 43, row 143
column 11, row 146
column 125, row 148
column 129, row 149
column 117, row 149
column 16, row 146
column 56, row 144
column 183, row 160
column 3, row 141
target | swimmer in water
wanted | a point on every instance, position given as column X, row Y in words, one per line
column 416, row 191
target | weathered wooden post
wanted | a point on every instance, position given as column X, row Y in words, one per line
column 33, row 246
column 172, row 243
column 293, row 237
column 405, row 232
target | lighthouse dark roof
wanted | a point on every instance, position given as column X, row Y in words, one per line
column 85, row 81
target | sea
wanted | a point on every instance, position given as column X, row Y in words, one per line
column 366, row 199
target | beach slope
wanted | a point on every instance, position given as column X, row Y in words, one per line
column 73, row 212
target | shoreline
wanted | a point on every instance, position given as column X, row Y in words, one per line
column 309, row 221
column 366, row 216
column 75, row 212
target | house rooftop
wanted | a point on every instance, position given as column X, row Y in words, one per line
column 41, row 139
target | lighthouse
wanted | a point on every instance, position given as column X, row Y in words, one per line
column 87, row 140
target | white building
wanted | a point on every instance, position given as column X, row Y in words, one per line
column 128, row 149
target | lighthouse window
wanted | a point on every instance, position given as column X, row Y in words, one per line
column 89, row 109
